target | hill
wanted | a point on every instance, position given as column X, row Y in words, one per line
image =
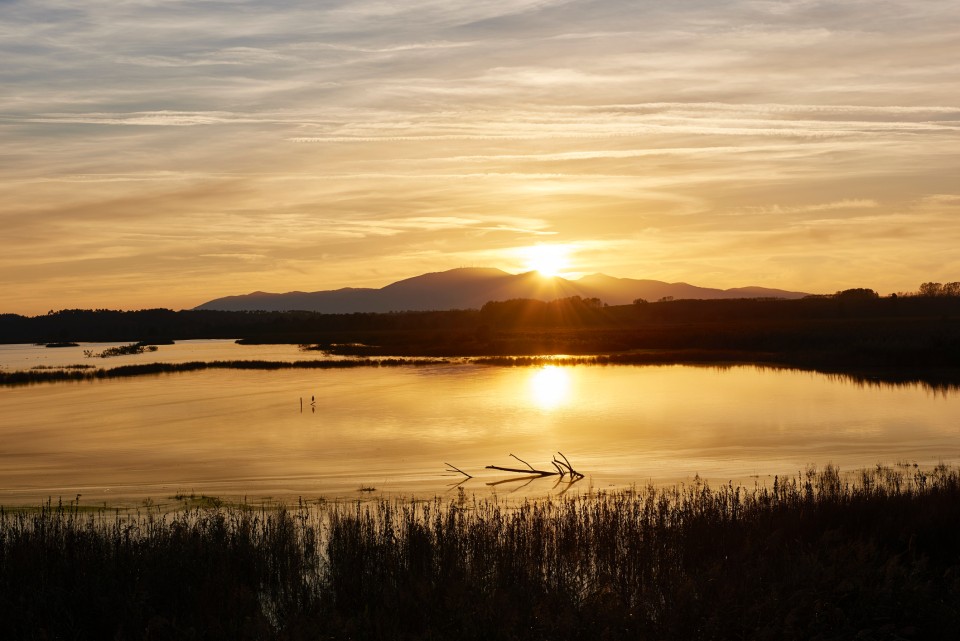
column 470, row 288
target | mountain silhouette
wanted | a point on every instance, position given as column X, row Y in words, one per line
column 471, row 287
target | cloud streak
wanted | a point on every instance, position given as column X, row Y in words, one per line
column 184, row 147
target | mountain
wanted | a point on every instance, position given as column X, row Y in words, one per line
column 470, row 288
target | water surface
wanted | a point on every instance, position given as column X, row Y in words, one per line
column 25, row 357
column 243, row 433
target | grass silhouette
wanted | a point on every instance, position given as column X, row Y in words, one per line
column 933, row 378
column 814, row 556
column 72, row 373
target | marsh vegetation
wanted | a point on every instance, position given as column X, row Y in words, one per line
column 938, row 379
column 855, row 328
column 84, row 373
column 121, row 350
column 819, row 555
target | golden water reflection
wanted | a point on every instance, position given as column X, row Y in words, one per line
column 246, row 433
column 550, row 387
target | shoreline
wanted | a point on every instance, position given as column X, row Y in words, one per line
column 937, row 378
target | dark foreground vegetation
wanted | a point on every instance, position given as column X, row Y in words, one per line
column 812, row 557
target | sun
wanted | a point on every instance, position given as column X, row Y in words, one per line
column 547, row 260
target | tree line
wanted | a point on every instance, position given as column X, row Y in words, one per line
column 940, row 289
column 451, row 327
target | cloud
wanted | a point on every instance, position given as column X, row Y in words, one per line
column 143, row 118
column 819, row 207
column 940, row 201
column 301, row 144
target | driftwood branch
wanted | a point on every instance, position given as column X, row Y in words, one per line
column 515, row 470
column 454, row 468
column 566, row 464
column 524, row 462
column 561, row 468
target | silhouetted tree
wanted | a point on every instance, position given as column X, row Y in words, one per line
column 859, row 293
column 931, row 289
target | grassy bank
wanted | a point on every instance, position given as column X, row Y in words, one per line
column 72, row 373
column 935, row 378
column 810, row 557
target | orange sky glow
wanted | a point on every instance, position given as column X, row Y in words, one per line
column 161, row 154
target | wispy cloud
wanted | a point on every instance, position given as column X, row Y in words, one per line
column 166, row 145
column 143, row 118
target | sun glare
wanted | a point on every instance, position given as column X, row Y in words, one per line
column 547, row 260
column 550, row 387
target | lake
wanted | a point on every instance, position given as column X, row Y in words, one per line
column 257, row 434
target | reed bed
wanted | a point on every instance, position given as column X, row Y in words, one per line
column 935, row 379
column 814, row 556
column 72, row 373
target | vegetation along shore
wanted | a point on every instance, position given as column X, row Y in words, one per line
column 850, row 329
column 937, row 379
column 814, row 556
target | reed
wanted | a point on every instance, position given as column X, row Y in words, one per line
column 818, row 555
column 73, row 373
column 938, row 380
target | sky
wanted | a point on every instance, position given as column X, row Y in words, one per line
column 164, row 153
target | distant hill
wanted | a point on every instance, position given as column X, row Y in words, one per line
column 470, row 288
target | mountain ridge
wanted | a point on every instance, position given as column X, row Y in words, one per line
column 472, row 287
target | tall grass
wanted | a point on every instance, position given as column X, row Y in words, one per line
column 223, row 573
column 814, row 556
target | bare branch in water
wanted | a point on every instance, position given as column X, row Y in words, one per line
column 524, row 462
column 562, row 468
column 454, row 468
column 566, row 464
column 515, row 470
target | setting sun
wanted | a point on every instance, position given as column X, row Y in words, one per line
column 547, row 260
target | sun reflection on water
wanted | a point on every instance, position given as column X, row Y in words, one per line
column 550, row 387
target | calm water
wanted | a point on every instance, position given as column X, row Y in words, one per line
column 236, row 433
column 24, row 357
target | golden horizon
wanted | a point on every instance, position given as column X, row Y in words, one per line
column 306, row 147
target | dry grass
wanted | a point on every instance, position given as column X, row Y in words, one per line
column 815, row 556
